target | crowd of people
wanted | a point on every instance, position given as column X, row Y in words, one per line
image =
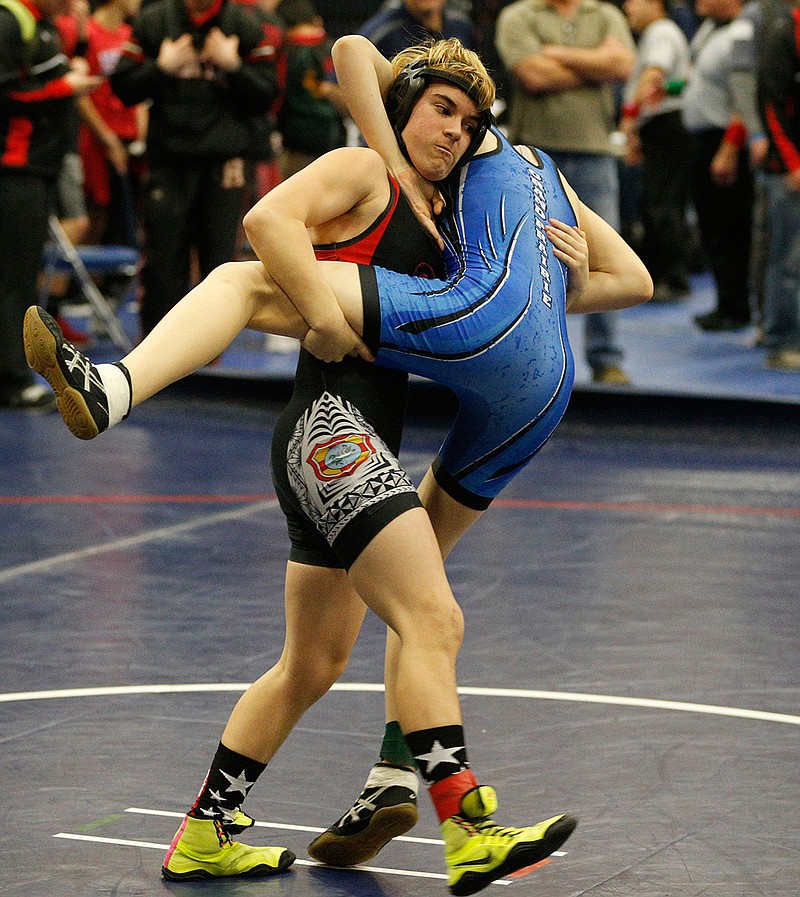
column 160, row 122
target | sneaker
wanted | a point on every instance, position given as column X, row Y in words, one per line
column 201, row 849
column 34, row 398
column 787, row 360
column 611, row 374
column 717, row 322
column 80, row 395
column 477, row 851
column 386, row 808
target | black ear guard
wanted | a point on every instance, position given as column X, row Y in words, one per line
column 407, row 89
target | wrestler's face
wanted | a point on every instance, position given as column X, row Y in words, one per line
column 440, row 129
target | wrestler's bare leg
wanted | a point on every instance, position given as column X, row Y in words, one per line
column 205, row 322
column 450, row 520
column 192, row 334
column 323, row 617
column 270, row 307
column 401, row 576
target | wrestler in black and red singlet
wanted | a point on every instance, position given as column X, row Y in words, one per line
column 334, row 450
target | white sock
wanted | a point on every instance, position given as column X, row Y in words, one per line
column 380, row 776
column 118, row 391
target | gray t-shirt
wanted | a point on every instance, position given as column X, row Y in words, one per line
column 720, row 53
column 579, row 119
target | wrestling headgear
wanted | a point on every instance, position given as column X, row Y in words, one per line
column 407, row 88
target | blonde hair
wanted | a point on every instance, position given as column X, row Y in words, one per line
column 451, row 57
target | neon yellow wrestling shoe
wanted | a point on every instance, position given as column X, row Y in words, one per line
column 238, row 823
column 478, row 851
column 201, row 849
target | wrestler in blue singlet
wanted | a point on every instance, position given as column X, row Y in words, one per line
column 495, row 330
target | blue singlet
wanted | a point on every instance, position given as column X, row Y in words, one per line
column 494, row 331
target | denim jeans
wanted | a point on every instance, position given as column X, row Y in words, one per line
column 782, row 287
column 595, row 179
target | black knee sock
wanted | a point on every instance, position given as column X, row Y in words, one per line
column 229, row 779
column 439, row 752
column 441, row 756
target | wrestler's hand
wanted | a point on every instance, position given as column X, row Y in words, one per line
column 570, row 247
column 424, row 199
column 333, row 341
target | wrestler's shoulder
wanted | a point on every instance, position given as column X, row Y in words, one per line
column 356, row 161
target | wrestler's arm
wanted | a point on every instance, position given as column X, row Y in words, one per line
column 617, row 277
column 278, row 230
column 365, row 77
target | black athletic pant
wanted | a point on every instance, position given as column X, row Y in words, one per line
column 185, row 206
column 25, row 204
column 725, row 217
column 665, row 194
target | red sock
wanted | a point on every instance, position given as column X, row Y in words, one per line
column 447, row 793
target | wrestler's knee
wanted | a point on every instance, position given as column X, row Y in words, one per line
column 436, row 621
column 311, row 675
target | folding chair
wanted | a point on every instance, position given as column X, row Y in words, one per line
column 61, row 256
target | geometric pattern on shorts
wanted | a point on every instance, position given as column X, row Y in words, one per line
column 338, row 465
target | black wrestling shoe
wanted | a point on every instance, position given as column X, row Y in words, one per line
column 386, row 808
column 80, row 394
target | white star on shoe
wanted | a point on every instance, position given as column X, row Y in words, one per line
column 439, row 754
column 239, row 783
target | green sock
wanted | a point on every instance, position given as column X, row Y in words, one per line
column 394, row 749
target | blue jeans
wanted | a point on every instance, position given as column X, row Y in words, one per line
column 595, row 179
column 782, row 287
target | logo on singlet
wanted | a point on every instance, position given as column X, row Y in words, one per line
column 425, row 270
column 340, row 456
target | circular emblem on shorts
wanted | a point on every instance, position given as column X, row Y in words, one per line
column 340, row 456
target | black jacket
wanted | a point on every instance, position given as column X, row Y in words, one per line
column 200, row 118
column 36, row 103
column 779, row 91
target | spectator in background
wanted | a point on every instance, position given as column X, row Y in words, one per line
column 70, row 202
column 37, row 91
column 566, row 56
column 719, row 111
column 264, row 173
column 683, row 14
column 342, row 17
column 311, row 116
column 484, row 15
column 656, row 139
column 779, row 101
column 70, row 209
column 404, row 23
column 207, row 66
column 110, row 130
